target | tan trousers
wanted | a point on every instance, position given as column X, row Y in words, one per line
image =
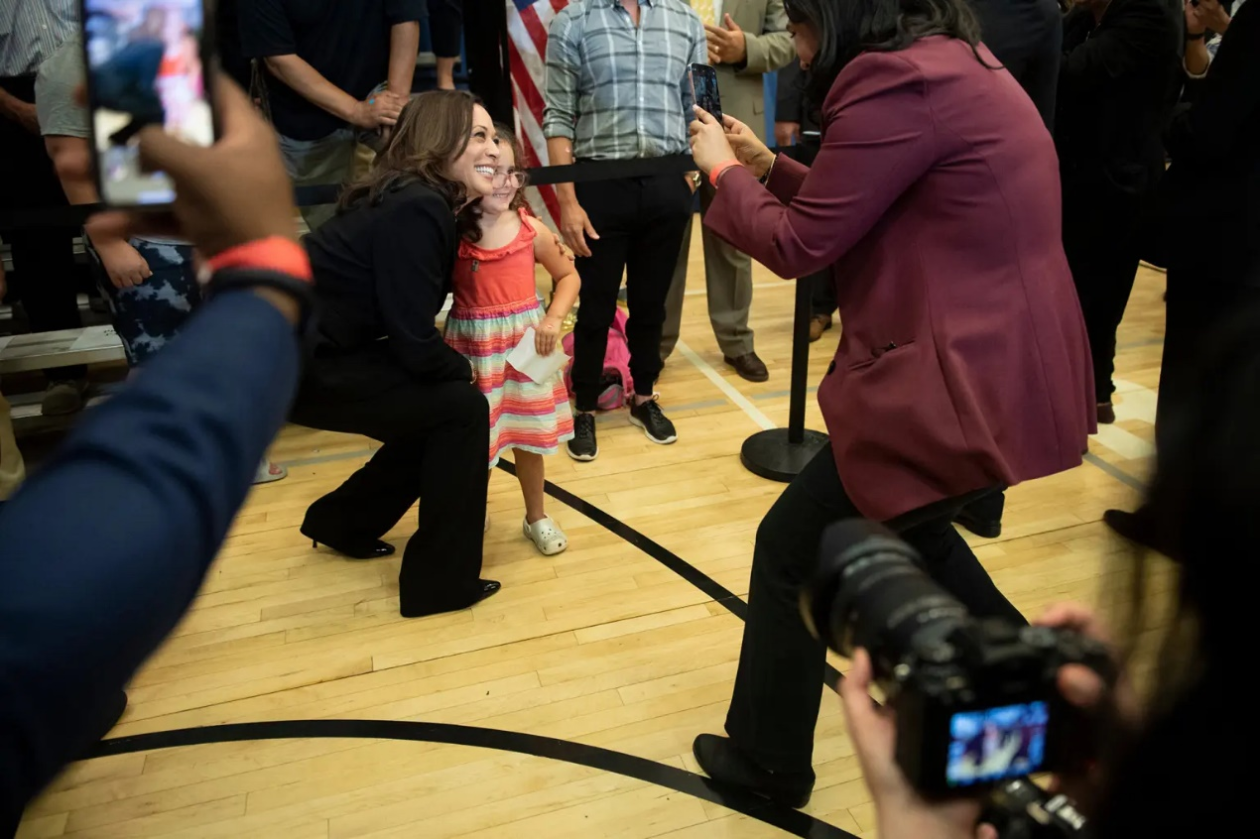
column 728, row 280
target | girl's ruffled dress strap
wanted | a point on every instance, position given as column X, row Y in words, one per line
column 524, row 239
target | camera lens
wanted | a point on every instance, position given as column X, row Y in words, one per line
column 871, row 592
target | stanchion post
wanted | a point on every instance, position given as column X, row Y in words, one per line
column 779, row 454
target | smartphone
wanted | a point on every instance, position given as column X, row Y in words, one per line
column 704, row 89
column 148, row 63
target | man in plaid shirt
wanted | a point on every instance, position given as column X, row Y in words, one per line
column 618, row 89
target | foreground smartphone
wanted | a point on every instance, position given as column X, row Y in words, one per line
column 704, row 88
column 148, row 63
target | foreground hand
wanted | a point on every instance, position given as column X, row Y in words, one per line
column 124, row 264
column 233, row 192
column 727, row 43
column 899, row 810
column 547, row 335
column 709, row 146
column 575, row 226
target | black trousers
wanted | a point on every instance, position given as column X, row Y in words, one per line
column 779, row 682
column 640, row 222
column 1100, row 239
column 435, row 436
column 1198, row 305
column 44, row 271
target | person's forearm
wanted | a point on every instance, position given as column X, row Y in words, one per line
column 560, row 153
column 404, row 46
column 1197, row 57
column 10, row 105
column 78, row 187
column 767, row 52
column 312, row 86
column 169, row 459
column 565, row 295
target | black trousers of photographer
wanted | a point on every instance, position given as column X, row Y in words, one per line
column 640, row 222
column 779, row 682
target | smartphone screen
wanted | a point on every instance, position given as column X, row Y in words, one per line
column 146, row 65
column 996, row 744
column 704, row 88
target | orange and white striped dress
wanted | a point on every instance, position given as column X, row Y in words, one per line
column 496, row 300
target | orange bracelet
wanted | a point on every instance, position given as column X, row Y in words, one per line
column 716, row 171
column 275, row 253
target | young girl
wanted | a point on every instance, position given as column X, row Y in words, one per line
column 496, row 301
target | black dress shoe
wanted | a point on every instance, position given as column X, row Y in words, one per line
column 355, row 548
column 981, row 527
column 1136, row 526
column 722, row 761
column 749, row 367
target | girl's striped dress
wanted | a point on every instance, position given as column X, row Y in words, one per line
column 496, row 300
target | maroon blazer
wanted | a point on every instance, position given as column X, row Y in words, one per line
column 963, row 361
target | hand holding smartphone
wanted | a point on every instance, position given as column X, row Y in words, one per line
column 148, row 63
column 704, row 90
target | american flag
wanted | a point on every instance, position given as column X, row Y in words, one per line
column 528, row 22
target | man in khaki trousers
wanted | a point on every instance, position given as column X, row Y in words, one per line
column 747, row 38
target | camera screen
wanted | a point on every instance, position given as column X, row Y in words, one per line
column 144, row 66
column 996, row 744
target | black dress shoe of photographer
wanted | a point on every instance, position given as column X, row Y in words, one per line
column 722, row 761
column 353, row 547
column 982, row 528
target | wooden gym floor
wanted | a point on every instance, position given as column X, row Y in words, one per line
column 603, row 646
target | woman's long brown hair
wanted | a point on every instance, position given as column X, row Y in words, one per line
column 432, row 130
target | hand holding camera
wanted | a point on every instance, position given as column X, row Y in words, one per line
column 973, row 705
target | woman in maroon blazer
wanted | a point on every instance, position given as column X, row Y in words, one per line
column 964, row 364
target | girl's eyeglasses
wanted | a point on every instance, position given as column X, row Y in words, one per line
column 516, row 178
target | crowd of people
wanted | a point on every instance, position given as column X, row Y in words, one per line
column 977, row 190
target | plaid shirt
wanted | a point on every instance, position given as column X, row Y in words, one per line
column 31, row 30
column 618, row 91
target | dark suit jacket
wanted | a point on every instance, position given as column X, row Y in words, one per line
column 1026, row 36
column 89, row 590
column 1215, row 173
column 964, row 362
column 1114, row 93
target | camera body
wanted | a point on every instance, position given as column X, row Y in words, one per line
column 976, row 700
column 1022, row 810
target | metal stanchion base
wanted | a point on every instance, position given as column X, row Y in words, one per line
column 771, row 455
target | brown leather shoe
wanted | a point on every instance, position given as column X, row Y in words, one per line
column 818, row 324
column 749, row 367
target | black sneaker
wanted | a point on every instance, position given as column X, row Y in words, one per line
column 583, row 445
column 653, row 421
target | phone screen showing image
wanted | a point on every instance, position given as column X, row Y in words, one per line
column 145, row 66
column 704, row 87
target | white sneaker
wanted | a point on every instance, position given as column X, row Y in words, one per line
column 546, row 536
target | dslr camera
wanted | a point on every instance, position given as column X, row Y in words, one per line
column 976, row 700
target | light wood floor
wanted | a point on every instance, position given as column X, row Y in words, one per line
column 601, row 645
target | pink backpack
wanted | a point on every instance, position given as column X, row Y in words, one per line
column 618, row 386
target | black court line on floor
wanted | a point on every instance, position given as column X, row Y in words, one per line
column 593, row 757
column 732, row 602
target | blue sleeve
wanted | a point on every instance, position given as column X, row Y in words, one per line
column 103, row 549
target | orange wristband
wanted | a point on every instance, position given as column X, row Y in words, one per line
column 275, row 253
column 716, row 171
